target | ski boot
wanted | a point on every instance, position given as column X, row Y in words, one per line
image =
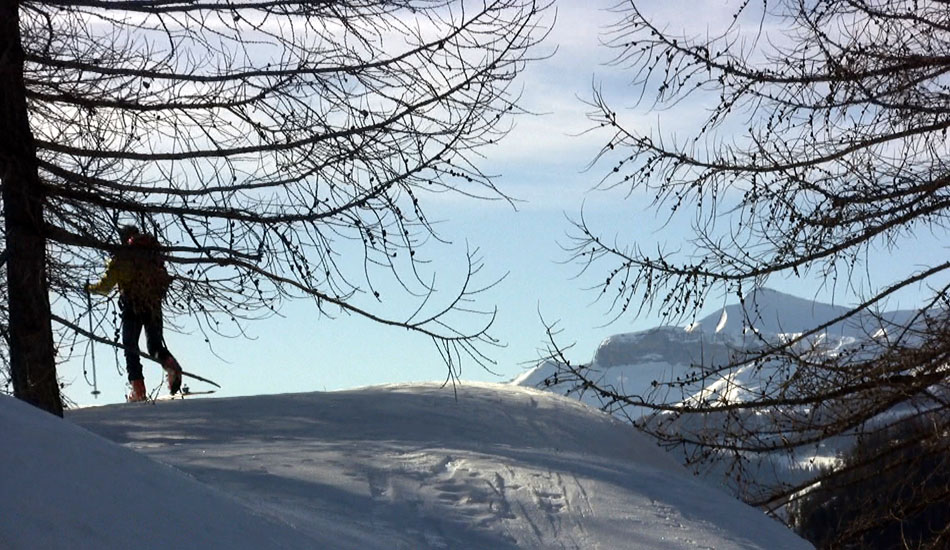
column 173, row 374
column 138, row 393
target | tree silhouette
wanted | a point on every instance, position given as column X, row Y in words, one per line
column 278, row 149
column 825, row 140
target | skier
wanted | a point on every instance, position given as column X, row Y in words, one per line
column 139, row 271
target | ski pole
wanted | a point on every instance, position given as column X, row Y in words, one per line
column 92, row 344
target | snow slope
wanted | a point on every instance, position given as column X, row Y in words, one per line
column 406, row 466
column 63, row 487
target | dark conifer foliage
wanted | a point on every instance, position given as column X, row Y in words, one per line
column 891, row 493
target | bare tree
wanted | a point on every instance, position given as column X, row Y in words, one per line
column 279, row 149
column 826, row 140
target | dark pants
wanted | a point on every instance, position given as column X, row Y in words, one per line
column 133, row 321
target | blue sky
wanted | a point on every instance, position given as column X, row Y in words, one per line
column 544, row 163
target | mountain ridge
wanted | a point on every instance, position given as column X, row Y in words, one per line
column 763, row 315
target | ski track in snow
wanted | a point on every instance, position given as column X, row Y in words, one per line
column 416, row 467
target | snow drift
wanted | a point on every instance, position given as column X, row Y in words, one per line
column 406, row 466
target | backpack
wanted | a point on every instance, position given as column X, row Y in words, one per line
column 148, row 280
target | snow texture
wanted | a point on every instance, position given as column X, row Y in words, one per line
column 405, row 466
column 65, row 488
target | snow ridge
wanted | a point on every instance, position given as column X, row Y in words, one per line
column 403, row 466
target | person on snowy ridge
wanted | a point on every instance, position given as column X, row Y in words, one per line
column 139, row 271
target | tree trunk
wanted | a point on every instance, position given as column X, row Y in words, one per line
column 32, row 360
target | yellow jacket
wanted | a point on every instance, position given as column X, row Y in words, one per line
column 142, row 280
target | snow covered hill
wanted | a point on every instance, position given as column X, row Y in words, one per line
column 406, row 466
column 62, row 487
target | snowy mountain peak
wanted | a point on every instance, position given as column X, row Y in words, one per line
column 768, row 311
column 633, row 362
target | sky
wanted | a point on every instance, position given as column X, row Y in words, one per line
column 545, row 163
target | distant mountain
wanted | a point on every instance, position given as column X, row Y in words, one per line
column 671, row 364
column 632, row 362
column 771, row 312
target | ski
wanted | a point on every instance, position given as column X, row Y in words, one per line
column 182, row 395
